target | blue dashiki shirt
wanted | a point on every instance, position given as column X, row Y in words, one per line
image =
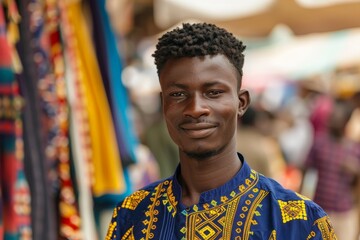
column 249, row 206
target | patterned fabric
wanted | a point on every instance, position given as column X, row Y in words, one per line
column 249, row 206
column 108, row 176
column 56, row 110
column 43, row 204
column 333, row 190
column 15, row 222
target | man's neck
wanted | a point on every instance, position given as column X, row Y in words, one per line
column 198, row 176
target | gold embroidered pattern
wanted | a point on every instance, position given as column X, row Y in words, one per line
column 111, row 229
column 129, row 235
column 273, row 235
column 152, row 212
column 215, row 223
column 293, row 210
column 253, row 211
column 170, row 200
column 326, row 229
column 115, row 212
column 132, row 201
column 311, row 235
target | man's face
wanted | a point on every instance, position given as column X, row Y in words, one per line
column 201, row 104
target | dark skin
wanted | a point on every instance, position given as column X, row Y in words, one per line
column 202, row 102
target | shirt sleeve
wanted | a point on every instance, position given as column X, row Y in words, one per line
column 113, row 229
column 121, row 226
column 322, row 230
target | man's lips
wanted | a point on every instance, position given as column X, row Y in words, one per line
column 197, row 126
column 198, row 130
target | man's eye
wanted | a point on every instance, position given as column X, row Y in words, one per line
column 214, row 93
column 177, row 94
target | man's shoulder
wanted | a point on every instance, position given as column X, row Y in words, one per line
column 297, row 213
column 286, row 199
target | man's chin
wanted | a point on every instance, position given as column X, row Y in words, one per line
column 200, row 155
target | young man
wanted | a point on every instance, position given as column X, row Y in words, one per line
column 214, row 194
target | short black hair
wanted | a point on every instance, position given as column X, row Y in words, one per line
column 199, row 39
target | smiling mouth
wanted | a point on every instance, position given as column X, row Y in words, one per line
column 198, row 130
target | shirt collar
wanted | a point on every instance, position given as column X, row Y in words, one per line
column 245, row 179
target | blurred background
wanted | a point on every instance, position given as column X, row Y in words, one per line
column 80, row 111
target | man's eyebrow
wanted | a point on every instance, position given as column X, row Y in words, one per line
column 212, row 83
column 184, row 86
column 179, row 85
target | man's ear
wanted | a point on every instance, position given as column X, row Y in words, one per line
column 244, row 101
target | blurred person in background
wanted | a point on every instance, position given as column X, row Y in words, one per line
column 260, row 161
column 213, row 194
column 295, row 134
column 163, row 148
column 256, row 127
column 353, row 132
column 337, row 161
column 146, row 169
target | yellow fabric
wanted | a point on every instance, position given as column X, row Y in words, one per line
column 107, row 169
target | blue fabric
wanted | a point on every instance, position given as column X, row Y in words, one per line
column 249, row 206
column 102, row 57
column 111, row 66
column 118, row 92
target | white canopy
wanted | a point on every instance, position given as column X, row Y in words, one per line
column 300, row 57
column 259, row 17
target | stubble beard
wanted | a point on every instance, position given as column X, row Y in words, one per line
column 201, row 155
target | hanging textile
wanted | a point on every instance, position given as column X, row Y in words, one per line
column 58, row 147
column 81, row 153
column 42, row 203
column 105, row 156
column 15, row 221
column 110, row 64
column 79, row 129
column 47, row 143
column 100, row 143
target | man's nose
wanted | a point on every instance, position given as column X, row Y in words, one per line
column 196, row 106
